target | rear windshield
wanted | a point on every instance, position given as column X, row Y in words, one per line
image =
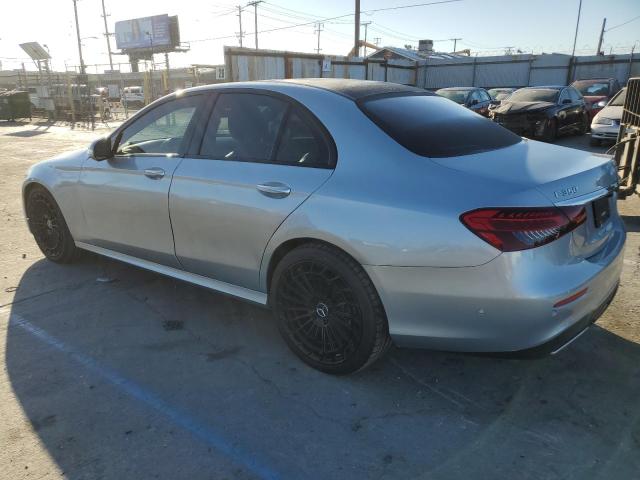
column 458, row 96
column 433, row 126
column 535, row 95
column 592, row 89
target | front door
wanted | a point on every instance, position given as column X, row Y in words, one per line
column 261, row 156
column 125, row 199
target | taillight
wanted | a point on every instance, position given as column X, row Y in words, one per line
column 511, row 229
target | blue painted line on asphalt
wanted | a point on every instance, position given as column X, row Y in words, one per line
column 187, row 422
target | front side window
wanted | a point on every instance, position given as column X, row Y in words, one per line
column 243, row 126
column 564, row 96
column 431, row 126
column 160, row 131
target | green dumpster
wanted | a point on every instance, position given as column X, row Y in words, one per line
column 14, row 104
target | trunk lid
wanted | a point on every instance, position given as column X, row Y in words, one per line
column 565, row 176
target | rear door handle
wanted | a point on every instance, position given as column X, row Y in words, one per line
column 154, row 172
column 274, row 189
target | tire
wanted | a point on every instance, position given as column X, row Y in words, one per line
column 594, row 142
column 550, row 132
column 48, row 226
column 328, row 311
column 584, row 126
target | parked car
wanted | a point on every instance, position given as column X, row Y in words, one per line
column 475, row 99
column 543, row 112
column 336, row 203
column 133, row 96
column 597, row 92
column 606, row 123
column 498, row 95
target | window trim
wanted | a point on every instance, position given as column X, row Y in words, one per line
column 291, row 103
column 116, row 136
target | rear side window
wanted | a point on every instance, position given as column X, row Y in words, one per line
column 302, row 143
column 431, row 126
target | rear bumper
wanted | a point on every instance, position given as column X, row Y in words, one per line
column 506, row 305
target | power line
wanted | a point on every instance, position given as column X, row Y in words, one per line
column 328, row 18
column 622, row 24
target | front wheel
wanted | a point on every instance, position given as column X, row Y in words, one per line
column 327, row 309
column 550, row 131
column 48, row 226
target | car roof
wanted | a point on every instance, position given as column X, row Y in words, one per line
column 466, row 89
column 546, row 87
column 353, row 89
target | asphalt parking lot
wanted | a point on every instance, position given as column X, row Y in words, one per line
column 112, row 372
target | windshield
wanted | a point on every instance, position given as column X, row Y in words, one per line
column 431, row 126
column 618, row 100
column 535, row 95
column 592, row 89
column 500, row 93
column 458, row 96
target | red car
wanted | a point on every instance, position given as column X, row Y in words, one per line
column 597, row 92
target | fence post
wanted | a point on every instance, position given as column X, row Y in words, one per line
column 529, row 72
column 473, row 78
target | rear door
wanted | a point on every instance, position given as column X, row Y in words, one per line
column 260, row 157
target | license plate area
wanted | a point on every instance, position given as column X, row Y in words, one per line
column 601, row 211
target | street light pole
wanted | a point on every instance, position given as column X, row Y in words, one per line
column 75, row 11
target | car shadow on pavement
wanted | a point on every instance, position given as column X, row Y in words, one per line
column 123, row 373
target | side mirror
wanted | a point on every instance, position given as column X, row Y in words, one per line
column 101, row 149
column 566, row 101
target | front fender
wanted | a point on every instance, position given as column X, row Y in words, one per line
column 60, row 176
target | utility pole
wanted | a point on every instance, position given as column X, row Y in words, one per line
column 455, row 42
column 365, row 24
column 319, row 27
column 575, row 38
column 107, row 34
column 255, row 18
column 377, row 41
column 604, row 23
column 240, row 20
column 75, row 11
column 356, row 44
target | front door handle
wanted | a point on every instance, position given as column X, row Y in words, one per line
column 274, row 189
column 154, row 172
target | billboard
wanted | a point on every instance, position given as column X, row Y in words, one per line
column 144, row 33
column 35, row 51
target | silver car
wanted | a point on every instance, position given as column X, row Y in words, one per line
column 361, row 212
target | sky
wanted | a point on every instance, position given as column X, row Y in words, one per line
column 485, row 26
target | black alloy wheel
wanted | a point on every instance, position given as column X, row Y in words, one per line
column 49, row 227
column 328, row 311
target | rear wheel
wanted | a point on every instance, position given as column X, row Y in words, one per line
column 49, row 227
column 327, row 309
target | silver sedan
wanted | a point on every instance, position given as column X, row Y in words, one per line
column 361, row 212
